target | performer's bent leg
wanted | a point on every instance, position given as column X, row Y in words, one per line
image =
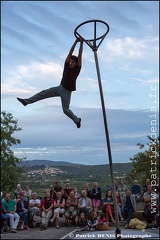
column 65, row 98
column 48, row 93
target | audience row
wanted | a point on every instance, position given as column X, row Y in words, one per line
column 86, row 210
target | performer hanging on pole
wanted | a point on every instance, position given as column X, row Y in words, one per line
column 71, row 71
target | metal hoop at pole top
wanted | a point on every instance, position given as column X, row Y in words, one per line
column 92, row 42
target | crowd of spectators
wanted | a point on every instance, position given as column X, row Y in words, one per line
column 85, row 210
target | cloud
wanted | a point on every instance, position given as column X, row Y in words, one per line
column 147, row 82
column 46, row 141
column 23, row 79
column 130, row 48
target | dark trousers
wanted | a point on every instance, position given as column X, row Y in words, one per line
column 128, row 212
column 24, row 217
column 148, row 215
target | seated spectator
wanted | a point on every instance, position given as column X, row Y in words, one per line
column 82, row 222
column 101, row 218
column 71, row 207
column 22, row 210
column 92, row 221
column 85, row 204
column 18, row 190
column 10, row 210
column 34, row 204
column 147, row 200
column 96, row 196
column 17, row 197
column 4, row 218
column 115, row 185
column 47, row 205
column 122, row 188
column 148, row 182
column 109, row 206
column 119, row 205
column 136, row 189
column 102, row 224
column 155, row 224
column 76, row 194
column 128, row 206
column 27, row 193
column 59, row 208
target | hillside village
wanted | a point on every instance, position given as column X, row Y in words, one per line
column 40, row 177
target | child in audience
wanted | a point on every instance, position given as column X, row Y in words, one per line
column 102, row 223
column 82, row 222
column 93, row 221
column 101, row 218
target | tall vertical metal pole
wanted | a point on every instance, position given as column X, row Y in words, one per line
column 117, row 233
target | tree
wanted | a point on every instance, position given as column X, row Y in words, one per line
column 10, row 172
column 145, row 164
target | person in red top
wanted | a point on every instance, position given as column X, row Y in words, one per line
column 47, row 208
column 71, row 71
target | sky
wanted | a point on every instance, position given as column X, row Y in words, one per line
column 35, row 39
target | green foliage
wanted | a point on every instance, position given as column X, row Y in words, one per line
column 10, row 172
column 144, row 163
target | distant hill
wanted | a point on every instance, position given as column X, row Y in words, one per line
column 79, row 169
column 40, row 174
column 32, row 163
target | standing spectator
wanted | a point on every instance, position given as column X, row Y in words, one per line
column 47, row 208
column 76, row 194
column 18, row 190
column 27, row 193
column 128, row 206
column 67, row 190
column 71, row 205
column 115, row 185
column 88, row 190
column 10, row 210
column 58, row 187
column 85, row 204
column 63, row 194
column 96, row 196
column 52, row 192
column 34, row 204
column 147, row 200
column 22, row 210
column 86, row 187
column 59, row 208
column 122, row 188
column 136, row 189
column 145, row 187
column 108, row 204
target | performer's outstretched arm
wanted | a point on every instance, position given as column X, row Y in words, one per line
column 80, row 53
column 72, row 50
